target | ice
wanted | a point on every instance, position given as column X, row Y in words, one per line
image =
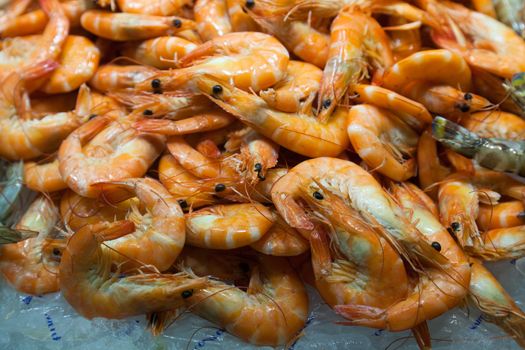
column 48, row 322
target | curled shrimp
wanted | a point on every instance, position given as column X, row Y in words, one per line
column 301, row 133
column 160, row 233
column 130, row 26
column 426, row 77
column 437, row 290
column 270, row 312
column 493, row 153
column 93, row 290
column 105, row 150
column 228, row 226
column 352, row 263
column 358, row 189
column 25, row 135
column 483, row 41
column 28, row 265
column 249, row 60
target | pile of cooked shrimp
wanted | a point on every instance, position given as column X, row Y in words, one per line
column 214, row 156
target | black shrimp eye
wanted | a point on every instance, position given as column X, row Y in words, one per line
column 187, row 293
column 318, row 195
column 220, row 187
column 91, row 116
column 56, row 252
column 249, row 4
column 467, row 96
column 155, row 83
column 463, row 107
column 455, row 226
column 257, row 167
column 327, row 103
column 147, row 112
column 183, row 204
column 436, row 246
column 217, row 89
column 177, row 23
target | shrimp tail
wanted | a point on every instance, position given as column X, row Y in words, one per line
column 160, row 321
column 362, row 315
column 422, row 335
column 456, row 137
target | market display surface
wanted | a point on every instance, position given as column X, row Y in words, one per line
column 297, row 174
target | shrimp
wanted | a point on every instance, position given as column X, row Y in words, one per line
column 251, row 60
column 353, row 264
column 26, row 265
column 383, row 141
column 23, row 136
column 78, row 62
column 281, row 240
column 34, row 22
column 156, row 8
column 228, row 226
column 111, row 77
column 212, row 120
column 493, row 153
column 438, row 290
column 129, row 26
column 496, row 304
column 43, row 177
column 10, row 235
column 404, row 39
column 160, row 232
column 356, row 39
column 270, row 312
column 162, row 52
column 302, row 81
column 483, row 41
column 90, row 287
column 105, row 150
column 212, row 18
column 496, row 124
column 297, row 132
column 501, row 215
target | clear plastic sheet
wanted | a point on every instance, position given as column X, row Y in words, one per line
column 48, row 322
